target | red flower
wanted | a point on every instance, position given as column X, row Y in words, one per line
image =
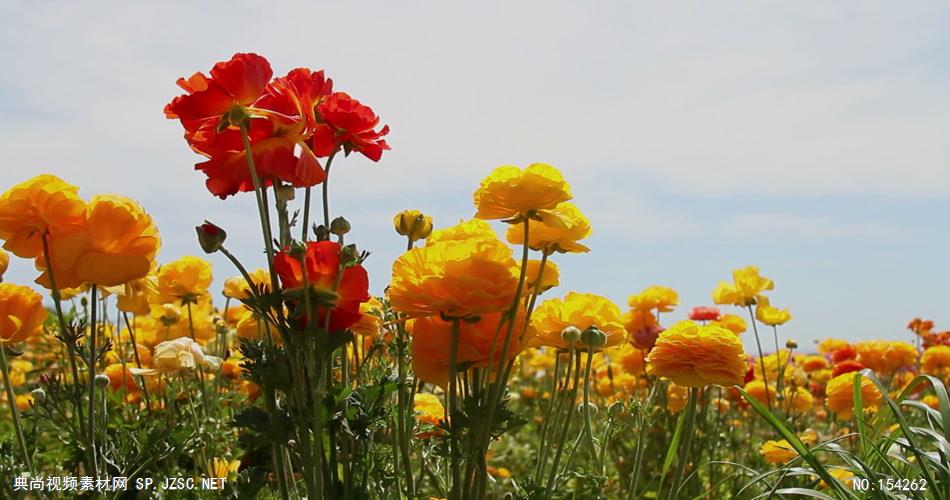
column 846, row 366
column 347, row 123
column 237, row 82
column 321, row 265
column 704, row 313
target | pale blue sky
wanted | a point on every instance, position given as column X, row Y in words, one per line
column 807, row 138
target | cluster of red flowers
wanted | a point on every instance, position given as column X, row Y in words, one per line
column 288, row 122
column 924, row 328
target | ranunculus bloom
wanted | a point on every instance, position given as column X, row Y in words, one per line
column 704, row 313
column 846, row 366
column 21, row 313
column 320, row 268
column 844, row 353
column 813, row 362
column 236, row 287
column 643, row 328
column 798, row 400
column 413, row 224
column 747, row 285
column 135, row 296
column 778, row 452
column 429, row 410
column 460, row 277
column 185, row 279
column 840, row 395
column 549, row 276
column 4, row 263
column 509, row 192
column 432, row 344
column 697, row 355
column 559, row 231
column 117, row 244
column 461, row 232
column 580, row 310
column 120, row 377
column 936, row 361
column 760, row 391
column 31, row 208
column 370, row 323
column 180, row 355
column 676, row 398
column 828, row 346
column 732, row 322
column 348, row 124
column 658, row 298
column 886, row 357
column 770, row 315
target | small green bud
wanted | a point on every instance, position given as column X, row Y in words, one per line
column 39, row 395
column 339, row 226
column 322, row 232
column 101, row 380
column 570, row 334
column 211, row 237
column 593, row 337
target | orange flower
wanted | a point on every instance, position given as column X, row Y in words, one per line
column 370, row 322
column 4, row 263
column 778, row 452
column 694, row 355
column 886, row 357
column 760, row 391
column 580, row 310
column 813, row 363
column 432, row 348
column 120, row 377
column 559, row 230
column 840, row 395
column 31, row 208
column 454, row 277
column 676, row 398
column 117, row 244
column 509, row 192
column 642, row 327
column 21, row 313
column 341, row 291
column 936, row 361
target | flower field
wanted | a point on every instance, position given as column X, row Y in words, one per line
column 477, row 374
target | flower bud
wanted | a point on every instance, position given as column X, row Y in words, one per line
column 38, row 395
column 570, row 334
column 616, row 409
column 593, row 337
column 101, row 380
column 285, row 193
column 339, row 226
column 211, row 237
column 413, row 224
column 593, row 408
column 791, row 344
column 322, row 232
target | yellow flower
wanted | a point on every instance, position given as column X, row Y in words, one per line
column 676, row 398
column 463, row 231
column 456, row 278
column 222, row 468
column 760, row 391
column 733, row 323
column 135, row 296
column 4, row 263
column 370, row 323
column 249, row 326
column 549, row 277
column 509, row 192
column 747, row 285
column 798, row 399
column 886, row 357
column 828, row 346
column 660, row 298
column 936, row 361
column 236, row 287
column 23, row 402
column 43, row 203
column 184, row 280
column 778, row 452
column 413, row 224
column 839, row 395
column 580, row 310
column 21, row 313
column 429, row 411
column 694, row 355
column 559, row 230
column 844, row 475
column 931, row 401
column 770, row 315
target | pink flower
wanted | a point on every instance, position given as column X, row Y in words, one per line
column 704, row 313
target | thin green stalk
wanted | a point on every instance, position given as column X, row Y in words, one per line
column 758, row 345
column 326, row 191
column 676, row 485
column 11, row 399
column 455, row 456
column 571, row 397
column 91, row 428
column 138, row 362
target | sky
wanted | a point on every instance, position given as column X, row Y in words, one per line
column 809, row 139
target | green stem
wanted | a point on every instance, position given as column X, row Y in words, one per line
column 91, row 429
column 138, row 362
column 758, row 345
column 676, row 485
column 11, row 399
column 326, row 191
column 449, row 417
